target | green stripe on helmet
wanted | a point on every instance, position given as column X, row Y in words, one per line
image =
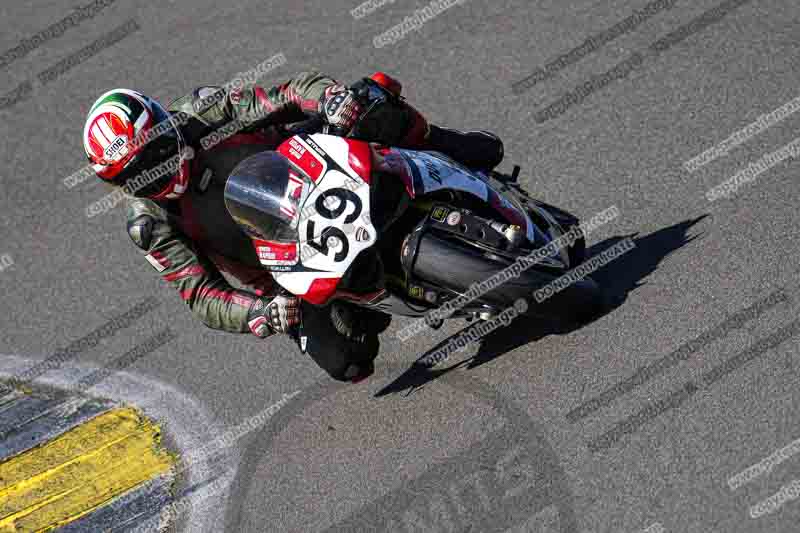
column 128, row 103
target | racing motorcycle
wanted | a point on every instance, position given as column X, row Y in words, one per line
column 399, row 231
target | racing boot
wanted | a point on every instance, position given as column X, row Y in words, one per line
column 475, row 149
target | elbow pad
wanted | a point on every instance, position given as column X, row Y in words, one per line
column 141, row 231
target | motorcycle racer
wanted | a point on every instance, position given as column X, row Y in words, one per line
column 174, row 162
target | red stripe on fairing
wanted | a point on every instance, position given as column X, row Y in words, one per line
column 359, row 157
column 321, row 290
column 217, row 294
column 194, row 270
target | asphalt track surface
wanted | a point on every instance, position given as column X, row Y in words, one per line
column 505, row 436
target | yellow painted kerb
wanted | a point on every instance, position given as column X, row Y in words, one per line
column 77, row 472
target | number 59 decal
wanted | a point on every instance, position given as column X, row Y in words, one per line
column 334, row 209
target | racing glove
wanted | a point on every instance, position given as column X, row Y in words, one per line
column 277, row 315
column 340, row 108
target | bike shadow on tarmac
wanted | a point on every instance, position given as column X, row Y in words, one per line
column 618, row 279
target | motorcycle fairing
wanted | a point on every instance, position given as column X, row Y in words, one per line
column 335, row 225
column 433, row 171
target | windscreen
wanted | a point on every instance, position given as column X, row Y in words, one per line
column 264, row 194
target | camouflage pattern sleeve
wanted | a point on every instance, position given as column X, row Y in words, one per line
column 201, row 286
column 300, row 95
column 295, row 100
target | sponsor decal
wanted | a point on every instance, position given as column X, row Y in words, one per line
column 296, row 150
column 276, row 253
column 415, row 291
column 363, row 235
column 433, row 170
column 315, row 146
column 115, row 148
column 439, row 214
column 304, row 158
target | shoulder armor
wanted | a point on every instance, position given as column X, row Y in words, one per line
column 204, row 104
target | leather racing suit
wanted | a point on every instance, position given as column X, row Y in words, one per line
column 195, row 245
